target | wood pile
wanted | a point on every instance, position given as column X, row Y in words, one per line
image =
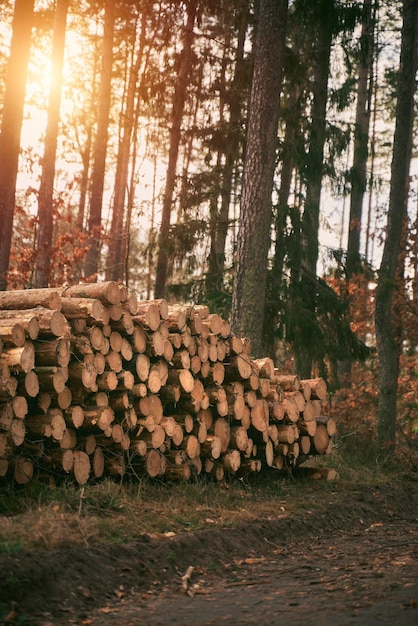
column 94, row 383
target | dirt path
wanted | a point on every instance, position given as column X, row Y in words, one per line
column 363, row 578
column 351, row 560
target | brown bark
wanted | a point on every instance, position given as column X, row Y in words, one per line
column 179, row 99
column 256, row 207
column 44, row 235
column 11, row 125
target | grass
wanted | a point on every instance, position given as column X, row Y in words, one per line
column 49, row 516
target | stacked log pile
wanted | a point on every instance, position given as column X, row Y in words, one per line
column 94, row 383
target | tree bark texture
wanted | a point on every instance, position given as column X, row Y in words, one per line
column 100, row 148
column 46, row 189
column 116, row 261
column 361, row 138
column 324, row 14
column 11, row 126
column 220, row 217
column 256, row 205
column 175, row 134
column 388, row 347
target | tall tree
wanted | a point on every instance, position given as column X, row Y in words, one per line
column 11, row 125
column 116, row 263
column 256, row 204
column 231, row 98
column 91, row 264
column 324, row 15
column 46, row 190
column 358, row 172
column 175, row 134
column 388, row 345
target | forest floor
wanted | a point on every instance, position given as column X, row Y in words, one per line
column 293, row 551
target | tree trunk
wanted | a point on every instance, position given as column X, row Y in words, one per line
column 256, row 206
column 116, row 261
column 91, row 264
column 45, row 197
column 361, row 138
column 358, row 174
column 314, row 170
column 388, row 347
column 220, row 219
column 175, row 133
column 13, row 102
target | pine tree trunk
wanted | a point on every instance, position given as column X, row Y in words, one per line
column 91, row 264
column 256, row 207
column 175, row 134
column 388, row 347
column 45, row 197
column 12, row 117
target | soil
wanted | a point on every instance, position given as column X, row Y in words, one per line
column 352, row 560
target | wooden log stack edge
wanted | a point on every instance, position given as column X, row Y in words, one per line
column 94, row 383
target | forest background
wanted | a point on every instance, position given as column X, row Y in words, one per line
column 254, row 156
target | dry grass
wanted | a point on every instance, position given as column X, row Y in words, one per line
column 44, row 516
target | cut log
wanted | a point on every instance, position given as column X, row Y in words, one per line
column 176, row 320
column 223, row 431
column 83, row 308
column 15, row 332
column 29, row 298
column 20, row 406
column 69, row 439
column 29, row 385
column 53, row 352
column 291, row 409
column 18, row 431
column 51, row 323
column 305, row 444
column 82, row 372
column 108, row 381
column 114, row 361
column 50, row 424
column 74, row 416
column 320, row 440
column 139, row 339
column 286, row 433
column 239, row 367
column 183, row 378
column 21, row 359
column 249, row 466
column 107, row 292
column 81, row 467
column 239, row 438
column 318, row 388
column 260, row 415
column 99, row 416
column 231, row 461
column 23, row 471
column 142, row 366
column 236, row 344
column 148, row 315
column 151, row 405
column 155, row 464
column 265, row 367
column 98, row 463
column 155, row 344
column 191, row 446
column 59, row 460
column 288, row 382
column 329, row 422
